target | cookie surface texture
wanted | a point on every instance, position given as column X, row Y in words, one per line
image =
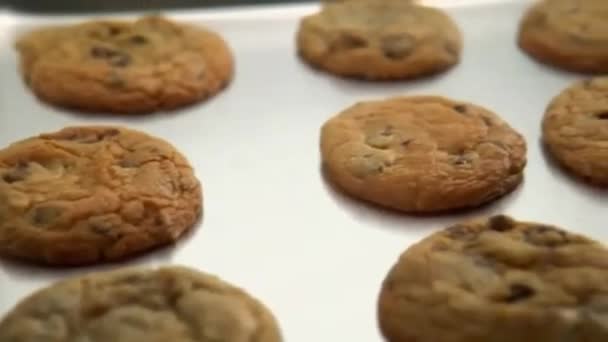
column 168, row 304
column 497, row 279
column 569, row 34
column 125, row 67
column 379, row 39
column 575, row 129
column 91, row 194
column 422, row 153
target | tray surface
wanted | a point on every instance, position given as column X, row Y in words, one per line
column 272, row 224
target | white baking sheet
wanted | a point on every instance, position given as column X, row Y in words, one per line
column 271, row 222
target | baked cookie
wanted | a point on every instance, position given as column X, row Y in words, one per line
column 575, row 129
column 372, row 39
column 90, row 194
column 422, row 153
column 169, row 304
column 497, row 280
column 570, row 34
column 121, row 67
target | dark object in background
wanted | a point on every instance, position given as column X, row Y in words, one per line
column 76, row 6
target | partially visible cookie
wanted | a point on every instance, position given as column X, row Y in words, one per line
column 422, row 153
column 497, row 279
column 125, row 67
column 575, row 129
column 372, row 39
column 90, row 194
column 170, row 304
column 570, row 34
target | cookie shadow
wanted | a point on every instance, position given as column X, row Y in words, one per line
column 563, row 175
column 386, row 218
column 20, row 270
column 358, row 83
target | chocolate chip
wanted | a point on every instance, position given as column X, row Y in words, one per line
column 406, row 142
column 602, row 115
column 460, row 108
column 519, row 292
column 138, row 39
column 85, row 137
column 501, row 223
column 348, row 40
column 114, row 30
column 397, row 46
column 461, row 160
column 460, row 232
column 17, row 174
column 114, row 57
column 103, row 52
column 546, row 236
column 43, row 216
column 121, row 60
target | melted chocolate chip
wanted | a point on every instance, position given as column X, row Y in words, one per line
column 462, row 109
column 138, row 39
column 519, row 292
column 17, row 174
column 350, row 41
column 43, row 216
column 501, row 223
column 397, row 47
column 602, row 116
column 460, row 232
column 114, row 30
column 114, row 57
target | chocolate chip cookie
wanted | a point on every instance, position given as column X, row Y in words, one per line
column 575, row 129
column 497, row 280
column 373, row 39
column 570, row 34
column 125, row 67
column 90, row 194
column 174, row 304
column 422, row 153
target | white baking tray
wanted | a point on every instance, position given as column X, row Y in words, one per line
column 272, row 224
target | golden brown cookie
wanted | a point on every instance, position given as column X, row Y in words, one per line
column 170, row 304
column 90, row 194
column 373, row 39
column 422, row 153
column 125, row 67
column 570, row 34
column 497, row 280
column 575, row 129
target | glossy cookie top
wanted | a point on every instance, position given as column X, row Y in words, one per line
column 88, row 194
column 125, row 67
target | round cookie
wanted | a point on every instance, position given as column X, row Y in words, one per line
column 497, row 280
column 376, row 40
column 422, row 153
column 575, row 129
column 110, row 66
column 168, row 304
column 90, row 194
column 569, row 34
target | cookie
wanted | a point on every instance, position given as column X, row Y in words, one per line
column 422, row 153
column 575, row 129
column 168, row 304
column 125, row 67
column 90, row 194
column 497, row 279
column 376, row 40
column 569, row 34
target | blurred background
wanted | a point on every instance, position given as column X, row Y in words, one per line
column 76, row 6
